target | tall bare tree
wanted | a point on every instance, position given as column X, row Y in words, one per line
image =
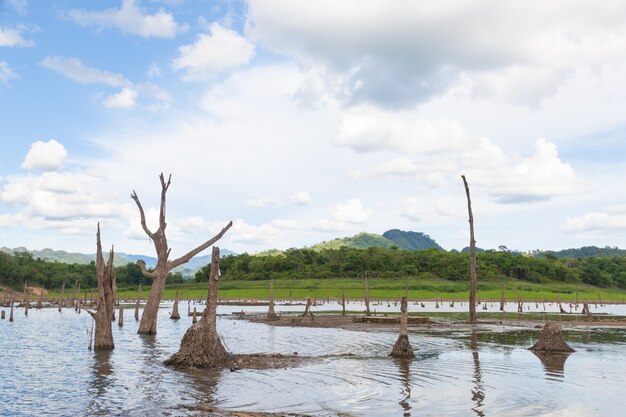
column 105, row 304
column 473, row 276
column 148, row 324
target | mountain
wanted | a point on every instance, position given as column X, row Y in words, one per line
column 389, row 239
column 120, row 258
column 583, row 252
column 411, row 240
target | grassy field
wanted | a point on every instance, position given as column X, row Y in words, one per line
column 388, row 289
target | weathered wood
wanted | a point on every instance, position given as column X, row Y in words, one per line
column 473, row 276
column 271, row 313
column 552, row 340
column 367, row 297
column 175, row 315
column 120, row 319
column 148, row 323
column 502, row 299
column 343, row 302
column 201, row 346
column 402, row 348
column 307, row 309
column 137, row 304
column 105, row 304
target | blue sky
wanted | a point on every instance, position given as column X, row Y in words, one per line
column 304, row 121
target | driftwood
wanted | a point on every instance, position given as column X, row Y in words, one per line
column 552, row 340
column 148, row 324
column 201, row 346
column 402, row 348
column 473, row 275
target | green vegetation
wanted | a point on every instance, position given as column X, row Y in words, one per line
column 411, row 240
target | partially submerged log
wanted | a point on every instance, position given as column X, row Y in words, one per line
column 552, row 340
column 402, row 348
column 201, row 346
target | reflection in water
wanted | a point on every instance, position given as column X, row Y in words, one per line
column 102, row 370
column 553, row 364
column 478, row 391
column 404, row 365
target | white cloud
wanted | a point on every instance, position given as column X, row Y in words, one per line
column 301, row 198
column 130, row 19
column 422, row 210
column 263, row 201
column 350, row 211
column 433, row 151
column 287, row 224
column 19, row 6
column 328, row 226
column 45, row 156
column 74, row 69
column 6, row 73
column 212, row 54
column 125, row 99
column 614, row 218
column 368, row 128
column 400, row 53
column 12, row 37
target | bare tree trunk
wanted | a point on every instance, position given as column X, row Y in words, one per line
column 307, row 309
column 402, row 348
column 148, row 324
column 473, row 275
column 105, row 305
column 11, row 314
column 175, row 315
column 138, row 303
column 2, row 315
column 271, row 314
column 343, row 302
column 201, row 346
column 367, row 297
column 502, row 299
column 120, row 319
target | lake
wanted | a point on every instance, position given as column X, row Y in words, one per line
column 46, row 369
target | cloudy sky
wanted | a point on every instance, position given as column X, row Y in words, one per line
column 303, row 121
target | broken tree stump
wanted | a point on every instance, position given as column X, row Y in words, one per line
column 175, row 315
column 552, row 340
column 307, row 309
column 201, row 346
column 271, row 314
column 402, row 348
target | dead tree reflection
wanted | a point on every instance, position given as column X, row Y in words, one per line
column 478, row 390
column 404, row 366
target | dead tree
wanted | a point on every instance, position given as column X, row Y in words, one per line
column 551, row 340
column 343, row 302
column 307, row 309
column 105, row 305
column 367, row 297
column 120, row 319
column 586, row 310
column 402, row 348
column 148, row 324
column 11, row 314
column 502, row 299
column 175, row 315
column 201, row 346
column 473, row 276
column 271, row 314
column 138, row 303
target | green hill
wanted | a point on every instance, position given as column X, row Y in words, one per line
column 411, row 240
column 360, row 241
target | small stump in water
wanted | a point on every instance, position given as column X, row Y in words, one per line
column 402, row 348
column 201, row 347
column 551, row 340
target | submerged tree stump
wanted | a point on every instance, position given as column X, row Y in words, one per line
column 586, row 310
column 11, row 313
column 307, row 309
column 105, row 305
column 138, row 303
column 402, row 348
column 502, row 299
column 175, row 315
column 201, row 346
column 552, row 340
column 271, row 314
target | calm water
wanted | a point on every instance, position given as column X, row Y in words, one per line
column 46, row 369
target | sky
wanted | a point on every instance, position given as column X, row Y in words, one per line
column 304, row 121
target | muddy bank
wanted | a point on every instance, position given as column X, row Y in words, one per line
column 352, row 322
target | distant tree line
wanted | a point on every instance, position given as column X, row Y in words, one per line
column 21, row 266
column 602, row 271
